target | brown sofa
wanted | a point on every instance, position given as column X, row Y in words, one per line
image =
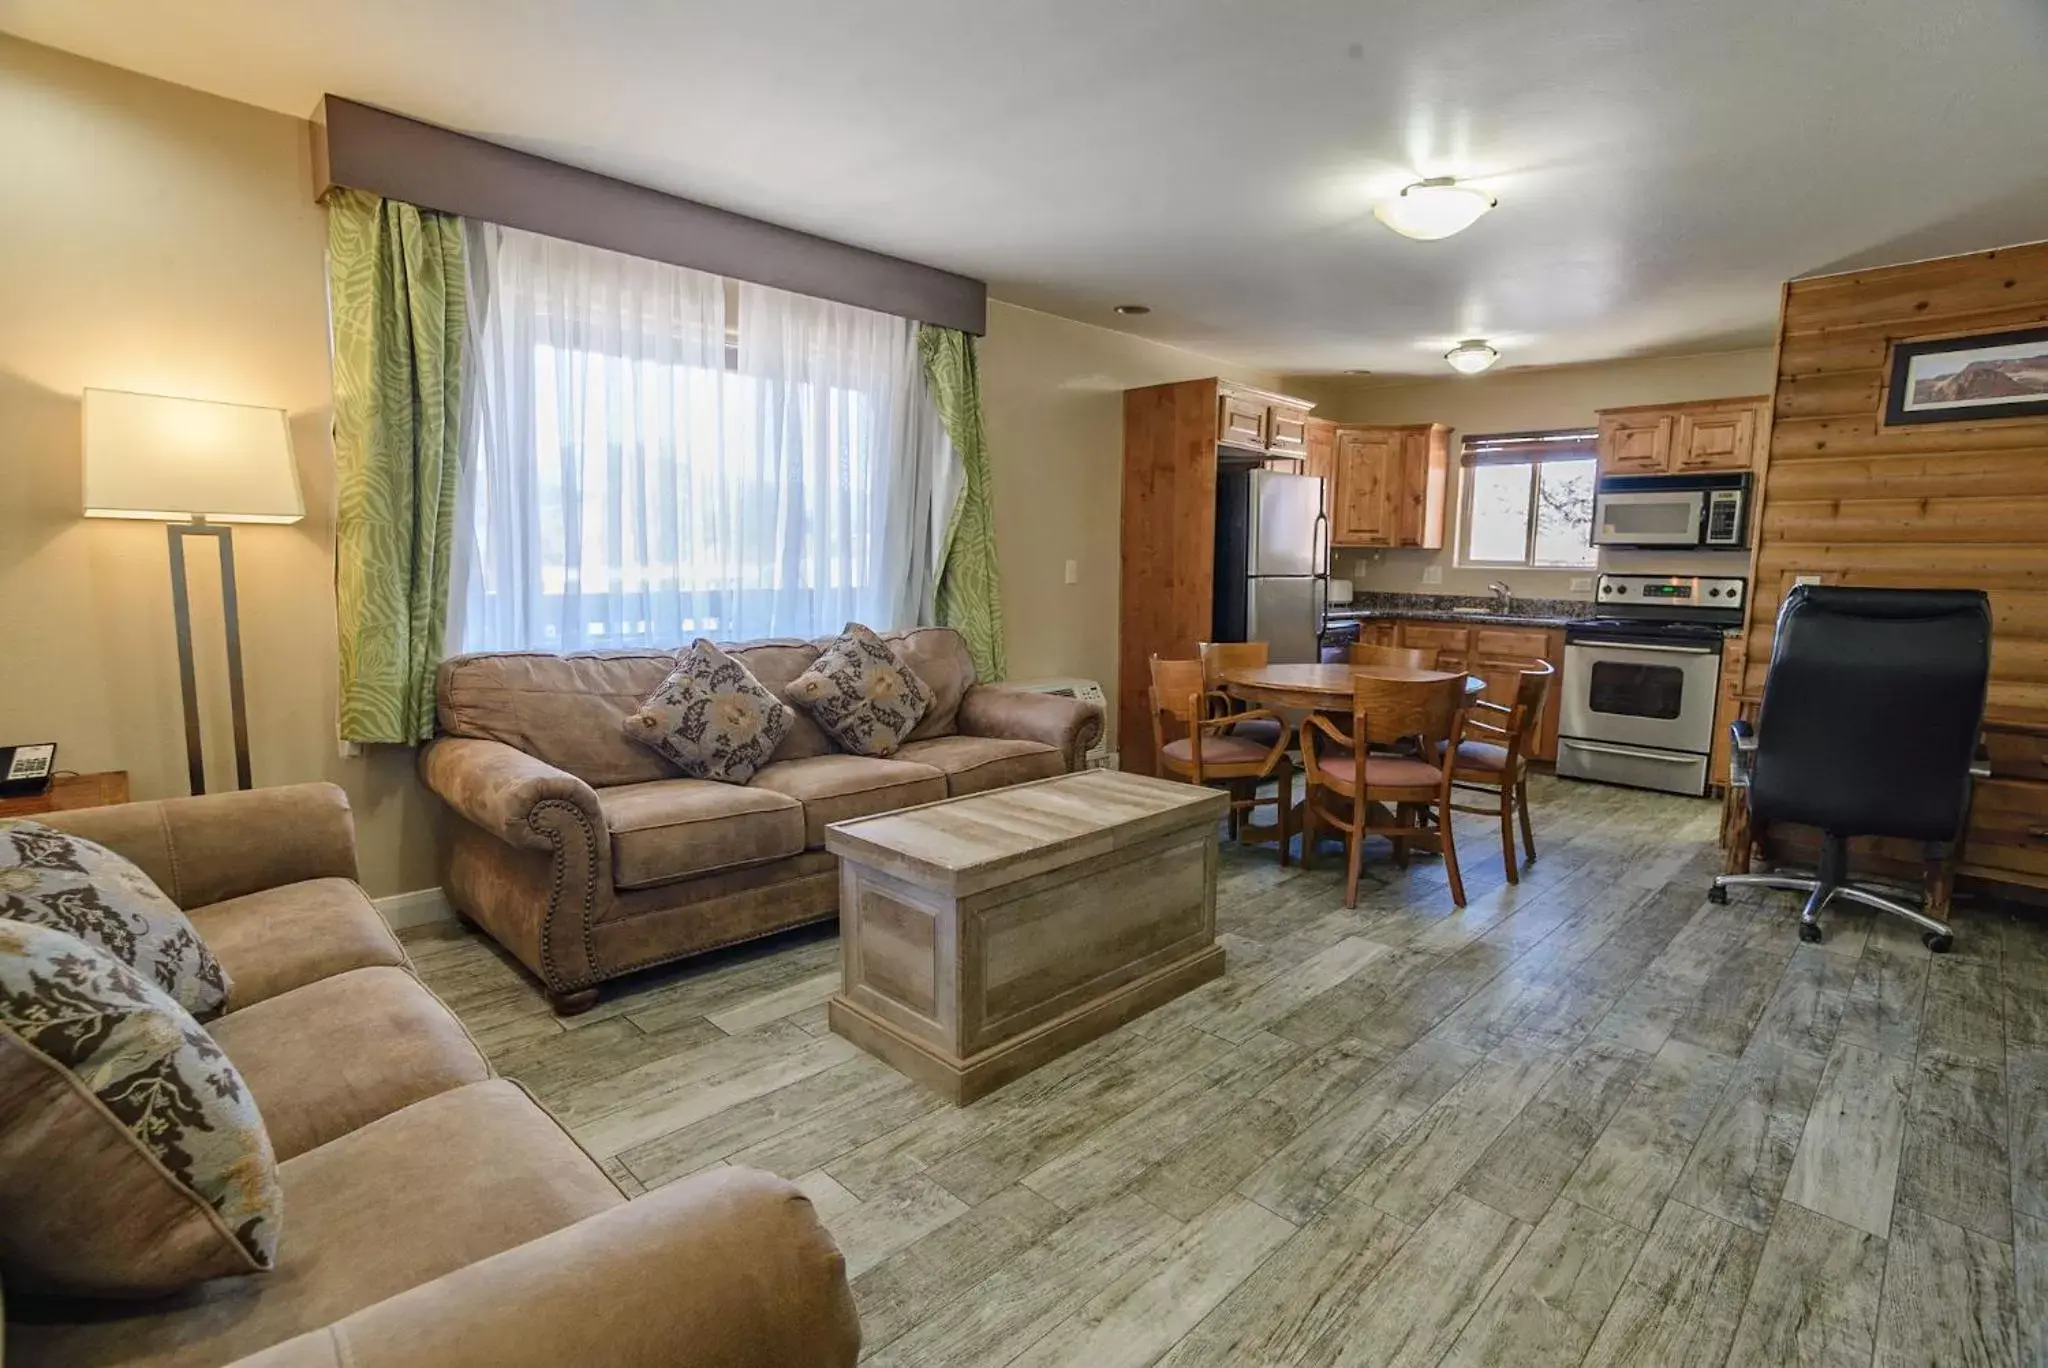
column 588, row 856
column 433, row 1214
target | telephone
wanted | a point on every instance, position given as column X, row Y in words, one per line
column 26, row 770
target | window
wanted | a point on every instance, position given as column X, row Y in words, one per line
column 1529, row 500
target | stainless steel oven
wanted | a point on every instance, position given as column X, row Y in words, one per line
column 1641, row 682
column 1672, row 511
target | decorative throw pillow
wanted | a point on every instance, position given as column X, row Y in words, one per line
column 861, row 694
column 132, row 1158
column 79, row 887
column 712, row 718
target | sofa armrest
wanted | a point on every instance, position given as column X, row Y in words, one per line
column 1067, row 724
column 222, row 845
column 730, row 1269
column 501, row 788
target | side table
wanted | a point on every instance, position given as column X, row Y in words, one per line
column 68, row 791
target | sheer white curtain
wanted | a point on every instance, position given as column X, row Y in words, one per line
column 629, row 481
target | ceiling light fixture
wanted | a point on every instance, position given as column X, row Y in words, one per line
column 1434, row 208
column 1134, row 310
column 1471, row 356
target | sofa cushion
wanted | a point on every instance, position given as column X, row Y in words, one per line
column 938, row 656
column 335, row 1055
column 711, row 718
column 777, row 663
column 53, row 878
column 276, row 940
column 568, row 710
column 861, row 694
column 132, row 1159
column 424, row 1191
column 975, row 764
column 678, row 828
column 838, row 788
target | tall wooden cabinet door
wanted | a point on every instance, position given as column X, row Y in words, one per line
column 1241, row 423
column 1714, row 439
column 1286, row 430
column 1319, row 458
column 1418, row 493
column 1365, row 487
column 1635, row 444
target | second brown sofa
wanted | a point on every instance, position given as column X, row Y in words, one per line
column 589, row 856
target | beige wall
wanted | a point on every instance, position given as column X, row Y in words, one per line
column 1052, row 392
column 1527, row 401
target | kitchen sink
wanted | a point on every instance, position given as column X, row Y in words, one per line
column 1477, row 612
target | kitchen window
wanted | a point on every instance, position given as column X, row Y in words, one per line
column 1528, row 500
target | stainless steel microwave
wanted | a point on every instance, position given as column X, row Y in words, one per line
column 1710, row 512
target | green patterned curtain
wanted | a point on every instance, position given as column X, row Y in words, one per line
column 970, row 590
column 396, row 296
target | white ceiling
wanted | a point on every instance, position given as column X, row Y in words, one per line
column 1662, row 165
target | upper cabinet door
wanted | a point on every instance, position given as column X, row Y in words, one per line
column 1636, row 444
column 1418, row 494
column 1715, row 439
column 1320, row 460
column 1286, row 431
column 1242, row 423
column 1366, row 471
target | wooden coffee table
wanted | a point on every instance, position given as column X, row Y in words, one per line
column 983, row 936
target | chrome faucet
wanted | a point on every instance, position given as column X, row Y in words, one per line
column 1503, row 596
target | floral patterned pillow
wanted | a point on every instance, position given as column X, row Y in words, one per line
column 133, row 1161
column 83, row 889
column 861, row 694
column 712, row 718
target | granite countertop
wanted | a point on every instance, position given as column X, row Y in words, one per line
column 1531, row 612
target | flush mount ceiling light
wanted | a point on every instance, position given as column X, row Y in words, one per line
column 1434, row 208
column 1134, row 310
column 1471, row 356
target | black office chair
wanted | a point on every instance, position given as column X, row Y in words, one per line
column 1868, row 728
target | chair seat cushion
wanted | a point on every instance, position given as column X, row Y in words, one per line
column 422, row 1192
column 838, row 788
column 1218, row 748
column 1479, row 755
column 679, row 828
column 1261, row 731
column 285, row 937
column 333, row 1056
column 975, row 764
column 1382, row 771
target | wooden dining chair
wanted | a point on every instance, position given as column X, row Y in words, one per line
column 1209, row 752
column 1409, row 657
column 1493, row 757
column 1345, row 768
column 1218, row 656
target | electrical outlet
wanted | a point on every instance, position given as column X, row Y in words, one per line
column 1806, row 579
column 1582, row 584
column 1432, row 574
column 1073, row 572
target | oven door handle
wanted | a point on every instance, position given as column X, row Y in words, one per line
column 1647, row 646
column 1599, row 749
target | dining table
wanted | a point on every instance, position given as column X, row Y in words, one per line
column 1317, row 688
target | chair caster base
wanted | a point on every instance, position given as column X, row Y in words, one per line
column 1810, row 932
column 1937, row 942
column 1718, row 895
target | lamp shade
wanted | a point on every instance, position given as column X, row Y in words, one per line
column 148, row 456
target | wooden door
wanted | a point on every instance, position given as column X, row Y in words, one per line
column 1635, row 443
column 1714, row 439
column 1286, row 430
column 1241, row 423
column 1319, row 458
column 1418, row 492
column 1365, row 485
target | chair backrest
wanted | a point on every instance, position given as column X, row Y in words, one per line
column 1218, row 656
column 1177, row 690
column 1412, row 657
column 1871, row 711
column 1384, row 711
column 1532, row 690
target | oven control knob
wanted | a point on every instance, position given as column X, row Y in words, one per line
column 1621, row 588
column 1713, row 593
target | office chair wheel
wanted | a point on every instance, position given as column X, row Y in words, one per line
column 1718, row 895
column 1937, row 942
column 1810, row 932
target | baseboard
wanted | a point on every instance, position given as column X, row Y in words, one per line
column 421, row 907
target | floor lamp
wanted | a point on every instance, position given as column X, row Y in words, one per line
column 199, row 466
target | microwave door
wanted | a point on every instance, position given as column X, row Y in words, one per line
column 1644, row 518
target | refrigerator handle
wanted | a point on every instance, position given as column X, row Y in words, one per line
column 1320, row 565
column 1322, row 611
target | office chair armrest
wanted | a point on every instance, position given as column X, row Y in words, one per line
column 1741, row 753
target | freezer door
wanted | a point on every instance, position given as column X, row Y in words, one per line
column 1286, row 614
column 1284, row 512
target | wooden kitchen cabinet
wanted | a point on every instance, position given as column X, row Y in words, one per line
column 1498, row 655
column 1711, row 437
column 1319, row 458
column 1286, row 430
column 1734, row 652
column 1390, row 486
column 1256, row 420
column 1241, row 422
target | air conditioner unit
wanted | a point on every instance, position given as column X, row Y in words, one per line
column 1100, row 756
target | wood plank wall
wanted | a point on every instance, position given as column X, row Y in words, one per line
column 1939, row 505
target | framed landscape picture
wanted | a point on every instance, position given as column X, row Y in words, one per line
column 1969, row 379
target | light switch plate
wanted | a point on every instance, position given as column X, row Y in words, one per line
column 1432, row 574
column 1806, row 579
column 1582, row 584
column 1073, row 572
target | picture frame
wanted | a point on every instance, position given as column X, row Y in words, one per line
column 1969, row 379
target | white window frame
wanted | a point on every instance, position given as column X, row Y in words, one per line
column 1516, row 448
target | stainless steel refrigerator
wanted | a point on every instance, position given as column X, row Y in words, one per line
column 1272, row 561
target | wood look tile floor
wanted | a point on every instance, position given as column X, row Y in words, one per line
column 1590, row 1119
